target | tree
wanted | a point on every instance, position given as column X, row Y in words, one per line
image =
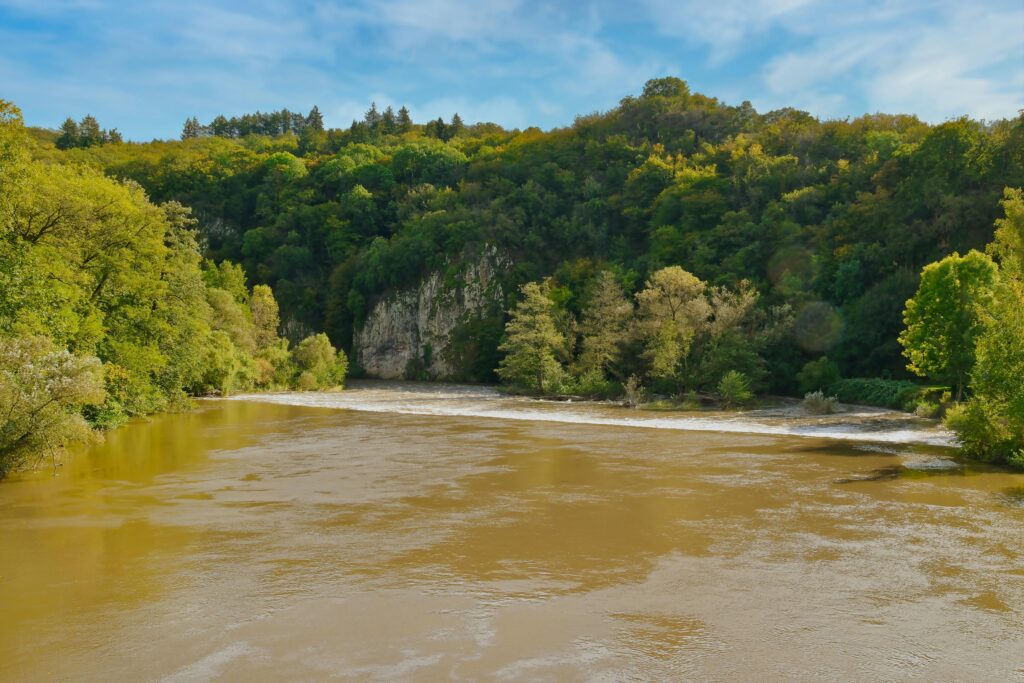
column 191, row 129
column 456, row 127
column 89, row 132
column 68, row 137
column 943, row 318
column 991, row 425
column 666, row 87
column 265, row 317
column 672, row 309
column 318, row 361
column 437, row 129
column 372, row 116
column 42, row 391
column 387, row 120
column 404, row 120
column 532, row 342
column 1008, row 246
column 605, row 326
column 734, row 389
column 315, row 119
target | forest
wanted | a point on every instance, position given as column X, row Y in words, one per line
column 675, row 245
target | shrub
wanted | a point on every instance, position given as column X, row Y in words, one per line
column 885, row 393
column 734, row 389
column 984, row 434
column 42, row 392
column 307, row 382
column 818, row 403
column 818, row 375
column 316, row 356
column 592, row 384
column 633, row 392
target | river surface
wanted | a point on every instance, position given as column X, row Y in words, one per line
column 430, row 532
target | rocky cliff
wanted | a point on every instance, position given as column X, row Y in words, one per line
column 411, row 331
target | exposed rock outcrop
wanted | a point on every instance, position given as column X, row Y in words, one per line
column 413, row 328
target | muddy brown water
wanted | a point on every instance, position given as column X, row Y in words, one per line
column 252, row 541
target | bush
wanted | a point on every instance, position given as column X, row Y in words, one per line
column 984, row 434
column 818, row 375
column 817, row 403
column 592, row 385
column 885, row 393
column 307, row 382
column 42, row 392
column 734, row 389
column 316, row 357
column 633, row 392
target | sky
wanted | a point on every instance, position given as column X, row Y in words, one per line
column 145, row 66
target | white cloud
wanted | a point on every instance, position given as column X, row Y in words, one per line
column 722, row 25
column 966, row 60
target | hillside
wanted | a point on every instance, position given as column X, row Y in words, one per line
column 832, row 219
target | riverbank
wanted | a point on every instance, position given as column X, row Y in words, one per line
column 852, row 423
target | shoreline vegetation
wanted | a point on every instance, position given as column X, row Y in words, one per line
column 109, row 311
column 674, row 246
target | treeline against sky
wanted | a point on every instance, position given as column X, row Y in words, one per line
column 823, row 224
column 834, row 219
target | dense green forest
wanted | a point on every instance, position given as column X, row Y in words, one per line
column 675, row 243
column 108, row 309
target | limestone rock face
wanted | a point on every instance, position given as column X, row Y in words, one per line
column 414, row 326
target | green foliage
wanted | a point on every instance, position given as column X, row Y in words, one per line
column 532, row 343
column 884, row 393
column 991, row 425
column 42, row 392
column 830, row 222
column 431, row 163
column 605, row 327
column 320, row 364
column 107, row 309
column 734, row 389
column 818, row 375
column 943, row 317
column 85, row 133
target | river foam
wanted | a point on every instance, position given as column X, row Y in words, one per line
column 863, row 425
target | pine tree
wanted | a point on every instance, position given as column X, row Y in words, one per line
column 388, row 120
column 68, row 134
column 221, row 127
column 191, row 129
column 372, row 117
column 456, row 126
column 315, row 120
column 89, row 132
column 113, row 136
column 532, row 341
column 404, row 120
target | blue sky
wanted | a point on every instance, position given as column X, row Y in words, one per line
column 145, row 66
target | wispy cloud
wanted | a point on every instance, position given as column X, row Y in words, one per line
column 146, row 65
column 956, row 59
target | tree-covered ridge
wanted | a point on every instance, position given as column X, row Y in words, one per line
column 108, row 308
column 816, row 230
column 834, row 219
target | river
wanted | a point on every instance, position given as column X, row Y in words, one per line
column 430, row 532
